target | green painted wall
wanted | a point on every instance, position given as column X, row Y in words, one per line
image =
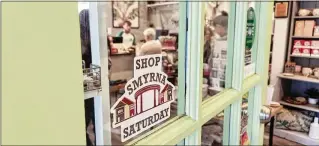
column 42, row 94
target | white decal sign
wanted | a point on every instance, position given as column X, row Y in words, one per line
column 147, row 98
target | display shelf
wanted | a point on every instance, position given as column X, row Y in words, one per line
column 161, row 4
column 299, row 78
column 91, row 94
column 309, row 107
column 311, row 57
column 306, row 17
column 298, row 137
column 305, row 37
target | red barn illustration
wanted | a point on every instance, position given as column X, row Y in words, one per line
column 124, row 110
column 166, row 94
column 139, row 95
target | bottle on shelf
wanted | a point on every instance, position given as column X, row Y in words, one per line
column 314, row 129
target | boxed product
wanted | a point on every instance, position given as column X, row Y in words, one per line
column 316, row 31
column 299, row 27
column 315, row 52
column 308, row 28
column 298, row 44
column 315, row 48
column 305, row 50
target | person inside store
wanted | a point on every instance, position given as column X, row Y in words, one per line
column 87, row 57
column 129, row 40
column 208, row 32
column 151, row 46
column 220, row 24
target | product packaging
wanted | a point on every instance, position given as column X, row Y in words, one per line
column 308, row 28
column 316, row 31
column 299, row 28
column 305, row 50
column 298, row 44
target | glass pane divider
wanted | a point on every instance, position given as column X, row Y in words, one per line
column 194, row 77
column 235, row 118
column 262, row 66
column 254, row 108
column 172, row 133
column 239, row 45
column 225, row 98
column 181, row 58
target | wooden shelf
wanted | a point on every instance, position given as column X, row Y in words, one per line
column 295, row 136
column 306, row 17
column 161, row 4
column 309, row 107
column 311, row 57
column 305, row 37
column 299, row 78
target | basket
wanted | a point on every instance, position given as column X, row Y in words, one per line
column 91, row 77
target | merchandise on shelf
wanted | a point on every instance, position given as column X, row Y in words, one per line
column 299, row 28
column 308, row 28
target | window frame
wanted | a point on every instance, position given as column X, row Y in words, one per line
column 195, row 112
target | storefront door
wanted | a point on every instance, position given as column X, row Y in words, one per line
column 220, row 85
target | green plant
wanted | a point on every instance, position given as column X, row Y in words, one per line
column 312, row 93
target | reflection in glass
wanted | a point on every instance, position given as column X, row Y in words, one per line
column 244, row 138
column 154, row 32
column 212, row 131
column 215, row 48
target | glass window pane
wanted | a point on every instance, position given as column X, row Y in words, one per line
column 212, row 131
column 251, row 45
column 144, row 49
column 244, row 137
column 215, row 47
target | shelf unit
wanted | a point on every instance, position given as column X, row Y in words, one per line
column 298, row 137
column 296, row 84
column 161, row 4
column 299, row 78
column 310, row 57
column 309, row 107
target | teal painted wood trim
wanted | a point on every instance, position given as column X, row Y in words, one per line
column 255, row 46
column 254, row 109
column 230, row 44
column 238, row 73
column 229, row 68
column 194, row 138
column 226, row 126
column 181, row 58
column 235, row 118
column 194, row 92
column 264, row 40
column 194, row 67
column 239, row 45
column 214, row 106
column 171, row 134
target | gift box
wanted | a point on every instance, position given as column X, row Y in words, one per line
column 306, row 44
column 299, row 27
column 316, row 31
column 314, row 52
column 296, row 51
column 308, row 28
column 305, row 52
column 314, row 44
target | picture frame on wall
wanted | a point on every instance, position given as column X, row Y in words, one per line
column 281, row 9
column 125, row 11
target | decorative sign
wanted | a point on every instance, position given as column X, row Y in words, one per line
column 250, row 37
column 147, row 98
column 251, row 23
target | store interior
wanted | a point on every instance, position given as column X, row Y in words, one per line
column 293, row 65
